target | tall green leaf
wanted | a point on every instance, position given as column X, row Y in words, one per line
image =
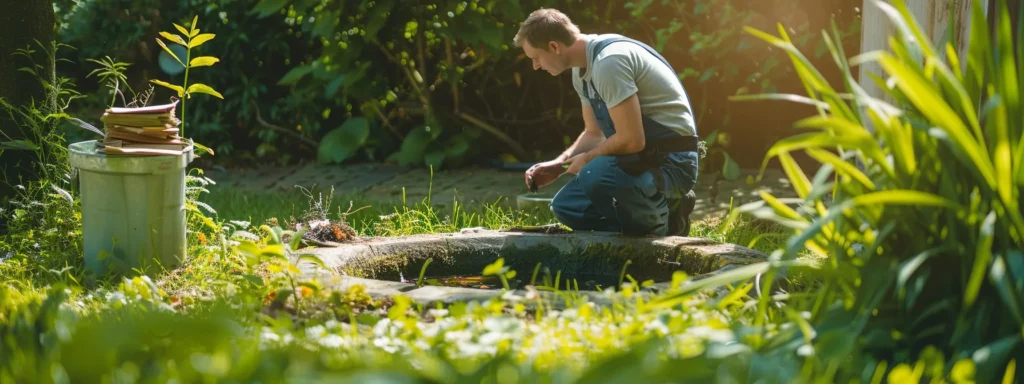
column 1007, row 85
column 174, row 38
column 925, row 98
column 203, row 61
column 982, row 256
column 843, row 167
column 203, row 88
column 199, row 40
column 168, row 50
column 978, row 55
column 1003, row 280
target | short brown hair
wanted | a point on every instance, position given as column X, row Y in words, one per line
column 544, row 25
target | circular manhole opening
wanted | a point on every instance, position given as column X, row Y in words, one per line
column 577, row 261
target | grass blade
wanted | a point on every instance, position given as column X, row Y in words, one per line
column 978, row 59
column 842, row 167
column 1006, row 82
column 981, row 258
column 801, row 184
column 782, row 97
column 1007, row 291
column 311, row 258
column 780, row 208
column 902, row 197
column 1001, row 155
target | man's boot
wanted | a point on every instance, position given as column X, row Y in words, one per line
column 679, row 214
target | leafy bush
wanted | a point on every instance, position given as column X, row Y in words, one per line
column 916, row 205
column 42, row 218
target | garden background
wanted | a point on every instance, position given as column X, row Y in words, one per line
column 898, row 259
column 434, row 82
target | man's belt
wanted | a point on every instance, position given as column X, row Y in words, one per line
column 676, row 143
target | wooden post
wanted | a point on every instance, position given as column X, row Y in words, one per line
column 934, row 18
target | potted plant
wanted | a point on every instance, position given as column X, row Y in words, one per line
column 132, row 183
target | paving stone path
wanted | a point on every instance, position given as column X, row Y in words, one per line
column 380, row 183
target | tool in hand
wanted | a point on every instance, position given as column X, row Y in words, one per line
column 532, row 184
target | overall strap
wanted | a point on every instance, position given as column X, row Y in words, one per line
column 604, row 43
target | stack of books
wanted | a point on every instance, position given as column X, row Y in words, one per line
column 151, row 130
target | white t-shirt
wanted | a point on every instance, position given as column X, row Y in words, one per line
column 623, row 68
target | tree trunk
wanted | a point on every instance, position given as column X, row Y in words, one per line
column 934, row 18
column 22, row 24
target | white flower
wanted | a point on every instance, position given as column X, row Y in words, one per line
column 117, row 296
column 456, row 337
column 491, row 338
column 805, row 350
column 657, row 326
column 382, row 327
column 422, row 345
column 474, row 349
column 316, row 332
column 268, row 335
column 387, row 344
column 429, row 330
column 438, row 313
column 331, row 341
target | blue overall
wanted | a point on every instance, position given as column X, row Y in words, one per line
column 603, row 197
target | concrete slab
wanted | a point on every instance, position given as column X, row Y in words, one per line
column 381, row 264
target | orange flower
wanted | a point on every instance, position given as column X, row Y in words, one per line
column 202, row 238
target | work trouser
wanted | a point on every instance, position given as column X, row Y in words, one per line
column 603, row 197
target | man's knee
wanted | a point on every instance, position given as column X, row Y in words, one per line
column 568, row 207
column 560, row 207
column 598, row 178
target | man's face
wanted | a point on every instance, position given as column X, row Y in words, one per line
column 548, row 60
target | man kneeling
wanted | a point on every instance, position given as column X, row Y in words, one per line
column 635, row 164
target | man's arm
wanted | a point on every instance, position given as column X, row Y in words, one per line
column 614, row 80
column 629, row 131
column 589, row 139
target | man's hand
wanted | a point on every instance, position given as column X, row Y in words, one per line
column 578, row 162
column 543, row 174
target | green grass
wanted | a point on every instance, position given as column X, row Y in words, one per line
column 369, row 218
column 397, row 217
column 254, row 206
column 290, row 328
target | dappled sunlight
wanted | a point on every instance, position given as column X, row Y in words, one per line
column 352, row 203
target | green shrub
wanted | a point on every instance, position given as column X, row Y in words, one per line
column 916, row 205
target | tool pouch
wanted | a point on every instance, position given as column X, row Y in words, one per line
column 638, row 163
column 653, row 156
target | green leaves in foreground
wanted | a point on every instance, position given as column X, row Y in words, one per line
column 928, row 198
